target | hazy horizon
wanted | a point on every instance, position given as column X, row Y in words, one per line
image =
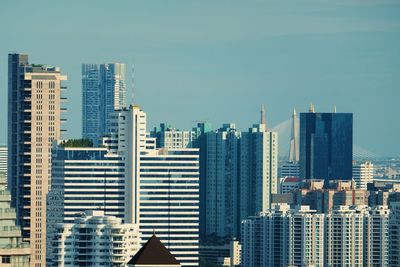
column 220, row 61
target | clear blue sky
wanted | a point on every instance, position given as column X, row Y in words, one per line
column 218, row 61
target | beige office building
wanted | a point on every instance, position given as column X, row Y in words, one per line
column 34, row 118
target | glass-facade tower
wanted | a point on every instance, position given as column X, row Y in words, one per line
column 103, row 91
column 326, row 146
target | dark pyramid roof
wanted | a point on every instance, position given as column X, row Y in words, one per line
column 153, row 252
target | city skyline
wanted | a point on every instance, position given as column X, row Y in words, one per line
column 200, row 134
column 349, row 49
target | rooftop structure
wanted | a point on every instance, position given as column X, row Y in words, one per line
column 152, row 254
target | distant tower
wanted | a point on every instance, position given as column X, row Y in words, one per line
column 294, row 143
column 263, row 120
column 103, row 91
column 326, row 146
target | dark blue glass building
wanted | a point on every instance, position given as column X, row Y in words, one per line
column 326, row 146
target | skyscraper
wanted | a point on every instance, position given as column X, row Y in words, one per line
column 34, row 121
column 128, row 140
column 258, row 178
column 169, row 201
column 258, row 170
column 326, row 145
column 239, row 172
column 103, row 91
column 222, row 179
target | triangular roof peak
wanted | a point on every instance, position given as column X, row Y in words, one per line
column 153, row 253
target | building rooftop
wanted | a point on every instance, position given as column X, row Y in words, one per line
column 153, row 253
column 291, row 179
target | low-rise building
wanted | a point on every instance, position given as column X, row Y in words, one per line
column 94, row 240
column 13, row 252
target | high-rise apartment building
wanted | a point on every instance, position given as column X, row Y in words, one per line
column 34, row 122
column 326, row 145
column 283, row 237
column 103, row 91
column 13, row 252
column 239, row 174
column 169, row 201
column 363, row 173
column 346, row 236
column 199, row 141
column 258, row 230
column 3, row 161
column 357, row 236
column 169, row 137
column 258, row 170
column 222, row 180
column 94, row 239
column 128, row 140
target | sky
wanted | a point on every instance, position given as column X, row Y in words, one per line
column 219, row 61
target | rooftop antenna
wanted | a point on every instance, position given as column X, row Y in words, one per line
column 312, row 108
column 262, row 119
column 133, row 83
column 294, row 145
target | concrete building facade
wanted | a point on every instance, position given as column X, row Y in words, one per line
column 346, row 236
column 34, row 122
column 363, row 173
column 240, row 174
column 94, row 239
column 13, row 251
column 169, row 201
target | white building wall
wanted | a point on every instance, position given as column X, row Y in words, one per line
column 169, row 201
column 363, row 173
column 84, row 179
column 95, row 240
column 347, row 236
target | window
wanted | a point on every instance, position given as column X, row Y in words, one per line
column 6, row 259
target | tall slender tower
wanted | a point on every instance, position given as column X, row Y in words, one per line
column 34, row 122
column 103, row 91
column 294, row 143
